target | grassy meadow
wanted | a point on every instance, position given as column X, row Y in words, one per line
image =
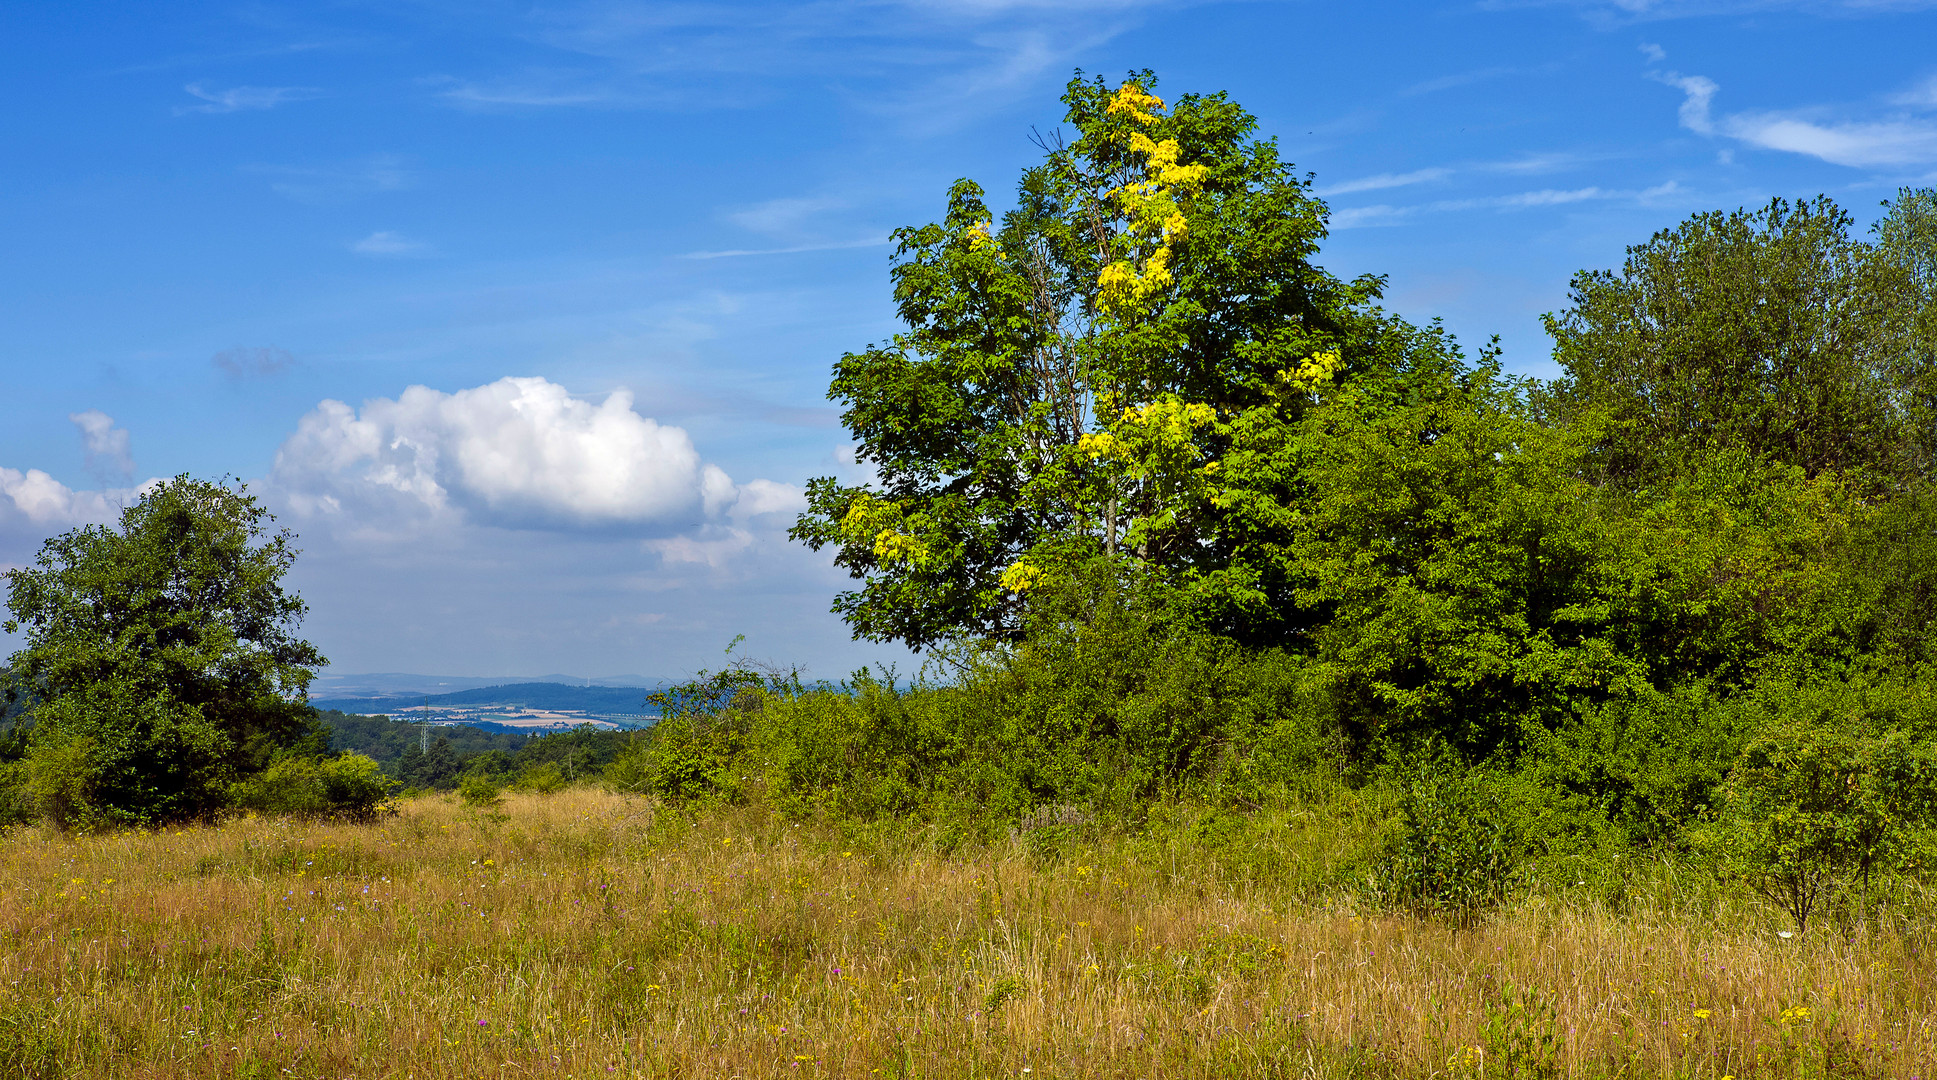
column 588, row 934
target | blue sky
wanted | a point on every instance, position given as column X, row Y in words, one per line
column 522, row 315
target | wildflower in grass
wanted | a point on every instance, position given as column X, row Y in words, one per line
column 1701, row 1014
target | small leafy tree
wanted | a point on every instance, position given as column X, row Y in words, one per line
column 1809, row 809
column 163, row 659
column 693, row 751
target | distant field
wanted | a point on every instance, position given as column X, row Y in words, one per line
column 585, row 934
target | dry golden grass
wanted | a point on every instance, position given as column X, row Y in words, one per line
column 585, row 935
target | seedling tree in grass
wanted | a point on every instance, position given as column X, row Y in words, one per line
column 1809, row 811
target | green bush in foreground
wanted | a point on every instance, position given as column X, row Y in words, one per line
column 349, row 786
column 163, row 660
column 1810, row 810
column 1456, row 850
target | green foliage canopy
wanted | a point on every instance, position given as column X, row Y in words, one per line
column 1769, row 332
column 1070, row 379
column 163, row 655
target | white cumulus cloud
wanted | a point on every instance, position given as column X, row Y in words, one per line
column 37, row 500
column 519, row 453
column 35, row 506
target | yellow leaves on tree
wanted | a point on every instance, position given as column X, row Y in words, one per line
column 1152, row 209
column 979, row 238
column 882, row 523
column 1154, row 446
column 1021, row 576
column 1315, row 371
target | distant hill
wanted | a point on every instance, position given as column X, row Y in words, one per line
column 333, row 685
column 597, row 700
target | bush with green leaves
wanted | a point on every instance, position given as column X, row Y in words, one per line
column 687, row 759
column 478, row 792
column 542, row 778
column 106, row 754
column 1115, row 695
column 1811, row 809
column 1455, row 853
column 695, row 751
column 349, row 787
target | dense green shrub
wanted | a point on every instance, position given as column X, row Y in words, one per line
column 348, row 786
column 542, row 778
column 108, row 754
column 1456, row 852
column 688, row 758
column 1812, row 808
column 1631, row 772
column 478, row 792
column 1115, row 696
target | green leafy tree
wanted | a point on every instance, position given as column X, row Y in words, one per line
column 1907, row 236
column 163, row 657
column 1482, row 587
column 1773, row 332
column 1068, row 379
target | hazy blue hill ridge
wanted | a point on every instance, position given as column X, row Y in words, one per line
column 383, row 684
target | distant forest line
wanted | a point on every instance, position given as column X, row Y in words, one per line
column 452, row 752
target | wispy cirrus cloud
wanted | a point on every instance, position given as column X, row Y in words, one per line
column 1923, row 95
column 1383, row 181
column 793, row 249
column 541, row 90
column 796, row 224
column 1624, row 12
column 389, row 245
column 243, row 98
column 1535, row 162
column 790, row 216
column 261, row 361
column 337, row 182
column 1698, row 92
column 882, row 56
column 1474, row 77
column 1370, row 216
column 1528, row 164
column 1904, row 137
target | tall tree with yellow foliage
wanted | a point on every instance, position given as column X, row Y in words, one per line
column 1106, row 373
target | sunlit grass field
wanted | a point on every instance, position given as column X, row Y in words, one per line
column 585, row 934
